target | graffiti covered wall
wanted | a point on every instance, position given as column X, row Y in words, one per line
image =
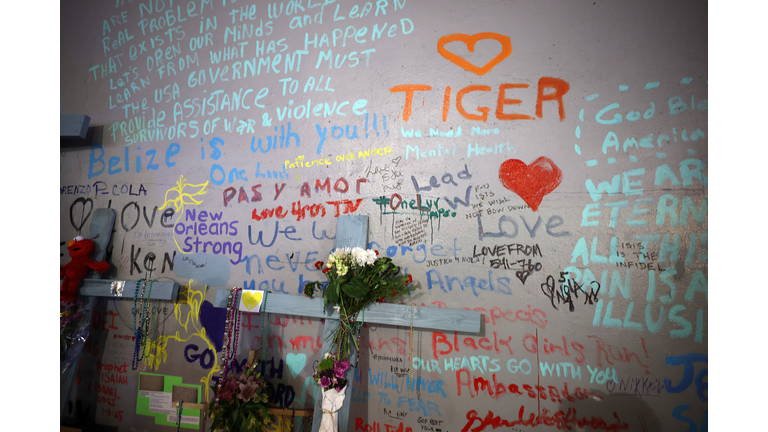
column 544, row 163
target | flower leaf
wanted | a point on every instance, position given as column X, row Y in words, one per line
column 217, row 419
column 332, row 292
column 326, row 363
column 355, row 287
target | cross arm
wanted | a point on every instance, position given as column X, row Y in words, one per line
column 424, row 317
column 161, row 290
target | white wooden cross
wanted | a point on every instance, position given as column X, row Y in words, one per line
column 352, row 231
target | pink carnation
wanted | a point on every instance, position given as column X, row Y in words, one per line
column 325, row 381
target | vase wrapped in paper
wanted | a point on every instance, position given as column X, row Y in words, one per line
column 330, row 377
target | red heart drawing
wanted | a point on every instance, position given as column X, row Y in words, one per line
column 470, row 41
column 531, row 182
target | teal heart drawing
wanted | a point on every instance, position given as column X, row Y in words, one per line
column 296, row 363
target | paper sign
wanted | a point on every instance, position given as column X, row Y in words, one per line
column 184, row 419
column 185, row 394
column 250, row 300
column 151, row 382
column 160, row 402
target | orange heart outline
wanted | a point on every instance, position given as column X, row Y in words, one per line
column 470, row 41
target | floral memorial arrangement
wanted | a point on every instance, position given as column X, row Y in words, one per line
column 356, row 279
column 330, row 373
column 73, row 330
column 241, row 403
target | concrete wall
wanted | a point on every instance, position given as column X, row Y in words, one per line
column 544, row 163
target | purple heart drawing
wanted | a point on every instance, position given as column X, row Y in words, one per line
column 213, row 320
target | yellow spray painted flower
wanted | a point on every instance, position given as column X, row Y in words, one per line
column 183, row 198
column 190, row 322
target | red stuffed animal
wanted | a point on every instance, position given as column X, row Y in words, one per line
column 80, row 250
